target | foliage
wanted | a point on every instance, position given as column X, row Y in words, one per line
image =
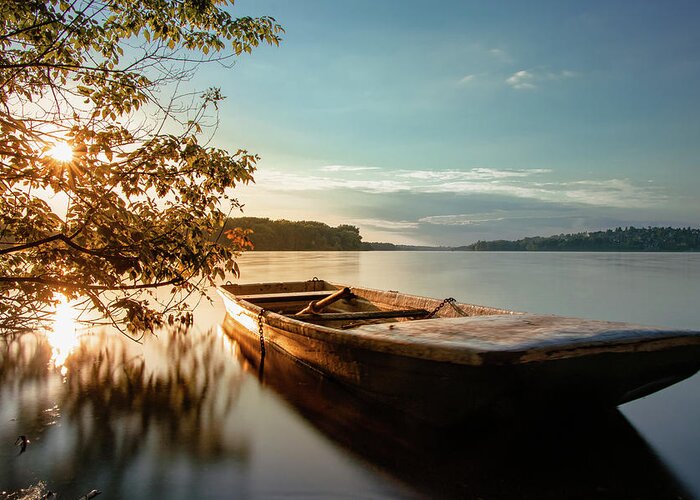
column 631, row 239
column 266, row 234
column 135, row 207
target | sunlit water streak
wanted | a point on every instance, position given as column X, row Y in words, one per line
column 63, row 337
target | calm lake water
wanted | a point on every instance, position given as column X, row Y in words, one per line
column 186, row 415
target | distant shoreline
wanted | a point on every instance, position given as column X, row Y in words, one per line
column 532, row 251
column 446, row 249
column 284, row 235
column 629, row 239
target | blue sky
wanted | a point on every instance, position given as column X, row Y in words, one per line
column 448, row 122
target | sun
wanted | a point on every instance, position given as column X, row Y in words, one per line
column 61, row 152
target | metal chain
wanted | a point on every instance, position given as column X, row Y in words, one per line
column 260, row 331
column 449, row 300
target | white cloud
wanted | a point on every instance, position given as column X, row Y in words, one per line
column 613, row 193
column 287, row 181
column 517, row 183
column 479, row 173
column 387, row 224
column 346, row 168
column 466, row 79
column 527, row 80
column 499, row 54
column 459, row 219
column 497, row 216
column 521, row 80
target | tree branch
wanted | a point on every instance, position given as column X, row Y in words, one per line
column 68, row 240
column 83, row 286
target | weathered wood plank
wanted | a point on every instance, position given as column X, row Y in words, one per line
column 262, row 298
column 403, row 313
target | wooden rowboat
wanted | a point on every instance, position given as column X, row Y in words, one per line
column 599, row 451
column 445, row 362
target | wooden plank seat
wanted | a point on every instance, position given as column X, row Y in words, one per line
column 360, row 315
column 264, row 298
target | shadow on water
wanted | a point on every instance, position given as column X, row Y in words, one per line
column 585, row 456
column 117, row 404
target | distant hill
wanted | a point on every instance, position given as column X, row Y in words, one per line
column 629, row 239
column 297, row 235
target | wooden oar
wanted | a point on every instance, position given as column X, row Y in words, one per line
column 316, row 306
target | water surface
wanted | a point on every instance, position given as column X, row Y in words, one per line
column 186, row 415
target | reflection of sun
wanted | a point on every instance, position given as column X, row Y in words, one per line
column 64, row 336
column 61, row 152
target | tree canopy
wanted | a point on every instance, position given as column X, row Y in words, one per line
column 109, row 187
column 629, row 239
column 266, row 234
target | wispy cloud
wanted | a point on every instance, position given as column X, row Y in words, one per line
column 287, row 181
column 515, row 183
column 346, row 168
column 521, row 80
column 612, row 192
column 479, row 173
column 499, row 54
column 459, row 219
column 387, row 224
column 531, row 79
column 476, row 219
column 466, row 79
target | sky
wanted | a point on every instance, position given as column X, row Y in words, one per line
column 448, row 122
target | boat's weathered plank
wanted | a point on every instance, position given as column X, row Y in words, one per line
column 525, row 337
column 403, row 313
column 262, row 298
column 398, row 300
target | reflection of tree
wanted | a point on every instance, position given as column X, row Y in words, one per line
column 25, row 381
column 171, row 395
column 23, row 358
column 33, row 492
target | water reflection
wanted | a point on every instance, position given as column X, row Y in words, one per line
column 36, row 491
column 123, row 410
column 63, row 336
column 591, row 456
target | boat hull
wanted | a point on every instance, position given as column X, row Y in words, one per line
column 447, row 393
column 521, row 458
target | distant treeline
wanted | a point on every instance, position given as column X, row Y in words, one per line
column 297, row 235
column 393, row 247
column 311, row 235
column 629, row 239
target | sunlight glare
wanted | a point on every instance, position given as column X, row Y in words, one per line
column 61, row 152
column 64, row 336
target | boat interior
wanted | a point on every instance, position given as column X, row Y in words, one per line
column 338, row 306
